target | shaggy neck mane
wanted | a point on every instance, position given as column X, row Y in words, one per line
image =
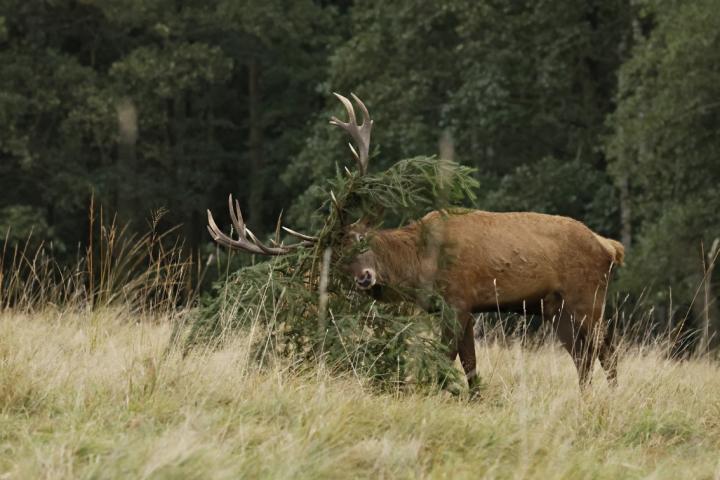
column 397, row 253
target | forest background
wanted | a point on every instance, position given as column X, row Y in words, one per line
column 605, row 111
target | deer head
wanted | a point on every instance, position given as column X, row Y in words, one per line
column 361, row 263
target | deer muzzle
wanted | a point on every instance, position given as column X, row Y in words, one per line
column 367, row 279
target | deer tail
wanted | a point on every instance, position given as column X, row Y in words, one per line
column 614, row 248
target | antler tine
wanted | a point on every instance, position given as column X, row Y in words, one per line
column 280, row 249
column 236, row 216
column 363, row 108
column 354, row 152
column 301, row 236
column 278, row 224
column 350, row 111
column 294, row 246
column 359, row 133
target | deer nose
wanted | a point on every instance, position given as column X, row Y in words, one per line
column 366, row 280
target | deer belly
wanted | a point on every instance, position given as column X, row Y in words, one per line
column 487, row 293
column 492, row 298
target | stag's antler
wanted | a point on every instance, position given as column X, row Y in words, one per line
column 359, row 133
column 247, row 241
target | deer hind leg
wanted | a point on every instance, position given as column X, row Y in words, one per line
column 609, row 357
column 579, row 344
column 599, row 335
column 570, row 334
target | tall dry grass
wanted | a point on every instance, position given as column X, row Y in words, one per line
column 147, row 273
column 95, row 394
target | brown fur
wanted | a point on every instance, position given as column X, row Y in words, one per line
column 526, row 262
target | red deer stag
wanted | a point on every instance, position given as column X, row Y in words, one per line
column 480, row 262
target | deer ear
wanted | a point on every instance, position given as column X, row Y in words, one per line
column 377, row 214
column 372, row 216
column 365, row 222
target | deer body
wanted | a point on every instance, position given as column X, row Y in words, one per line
column 487, row 262
column 478, row 261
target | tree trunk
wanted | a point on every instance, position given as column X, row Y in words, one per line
column 125, row 190
column 180, row 164
column 255, row 145
column 625, row 212
column 710, row 329
column 446, row 145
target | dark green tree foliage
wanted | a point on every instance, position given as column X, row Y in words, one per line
column 666, row 145
column 287, row 301
column 555, row 186
column 153, row 103
column 513, row 83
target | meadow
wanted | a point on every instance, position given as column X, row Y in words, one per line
column 126, row 354
column 108, row 394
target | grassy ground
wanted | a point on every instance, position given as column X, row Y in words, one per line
column 94, row 396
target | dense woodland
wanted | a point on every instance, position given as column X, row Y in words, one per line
column 607, row 111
